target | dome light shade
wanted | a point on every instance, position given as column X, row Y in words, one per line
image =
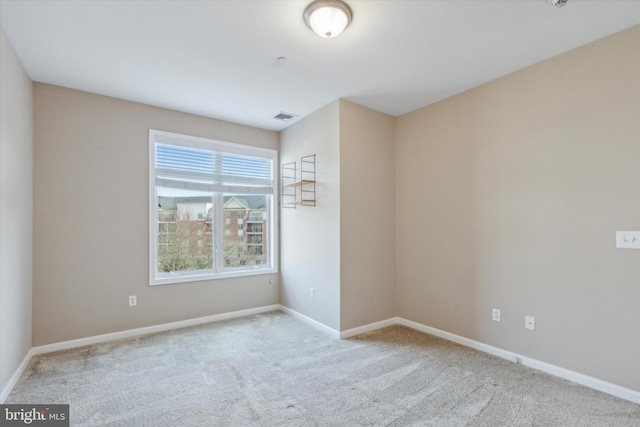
column 328, row 18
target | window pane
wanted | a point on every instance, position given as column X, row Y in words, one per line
column 185, row 232
column 246, row 242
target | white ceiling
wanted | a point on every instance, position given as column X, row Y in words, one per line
column 218, row 58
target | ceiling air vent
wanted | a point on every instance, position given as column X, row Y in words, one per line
column 285, row 117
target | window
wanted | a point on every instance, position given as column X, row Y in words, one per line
column 196, row 186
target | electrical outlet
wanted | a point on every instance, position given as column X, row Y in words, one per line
column 530, row 322
column 628, row 239
column 312, row 293
column 133, row 300
column 496, row 315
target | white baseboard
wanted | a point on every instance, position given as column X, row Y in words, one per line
column 65, row 345
column 576, row 377
column 370, row 327
column 310, row 321
column 594, row 383
column 585, row 380
column 15, row 377
column 485, row 348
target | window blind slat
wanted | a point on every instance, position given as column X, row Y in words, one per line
column 187, row 164
column 218, row 188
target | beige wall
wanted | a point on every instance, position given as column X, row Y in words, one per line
column 509, row 196
column 367, row 216
column 91, row 192
column 16, row 212
column 310, row 236
column 344, row 246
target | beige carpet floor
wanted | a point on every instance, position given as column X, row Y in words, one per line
column 273, row 370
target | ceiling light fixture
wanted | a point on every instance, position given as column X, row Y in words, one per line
column 328, row 18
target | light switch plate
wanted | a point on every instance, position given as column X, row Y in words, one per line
column 628, row 239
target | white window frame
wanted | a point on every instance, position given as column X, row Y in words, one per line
column 219, row 271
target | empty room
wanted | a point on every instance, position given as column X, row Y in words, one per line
column 320, row 213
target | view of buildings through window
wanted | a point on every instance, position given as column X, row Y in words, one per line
column 186, row 228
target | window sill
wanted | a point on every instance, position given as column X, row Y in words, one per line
column 211, row 276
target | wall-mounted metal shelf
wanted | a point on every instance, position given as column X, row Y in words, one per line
column 287, row 178
column 299, row 190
